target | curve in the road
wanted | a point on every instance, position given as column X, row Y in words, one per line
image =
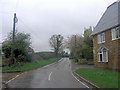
column 56, row 75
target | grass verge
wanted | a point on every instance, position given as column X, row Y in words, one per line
column 101, row 78
column 29, row 65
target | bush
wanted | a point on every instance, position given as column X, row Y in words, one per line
column 21, row 58
column 29, row 57
column 6, row 48
column 17, row 50
column 76, row 60
column 84, row 47
column 6, row 61
column 82, row 62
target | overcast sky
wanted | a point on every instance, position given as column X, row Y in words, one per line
column 43, row 18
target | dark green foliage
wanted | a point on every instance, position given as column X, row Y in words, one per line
column 20, row 58
column 82, row 62
column 84, row 48
column 88, row 51
column 6, row 48
column 17, row 50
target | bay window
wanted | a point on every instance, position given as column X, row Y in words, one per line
column 103, row 54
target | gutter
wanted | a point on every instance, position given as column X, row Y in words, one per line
column 88, row 83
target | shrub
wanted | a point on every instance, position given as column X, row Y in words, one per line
column 17, row 50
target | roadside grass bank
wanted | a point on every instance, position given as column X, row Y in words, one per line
column 101, row 78
column 29, row 65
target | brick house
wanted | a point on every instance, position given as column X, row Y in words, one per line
column 106, row 38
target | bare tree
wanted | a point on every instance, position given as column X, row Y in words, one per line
column 73, row 41
column 56, row 42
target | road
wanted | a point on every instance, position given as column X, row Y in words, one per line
column 57, row 75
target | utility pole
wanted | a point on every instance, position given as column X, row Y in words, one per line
column 12, row 51
column 14, row 21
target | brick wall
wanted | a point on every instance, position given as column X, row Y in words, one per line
column 113, row 52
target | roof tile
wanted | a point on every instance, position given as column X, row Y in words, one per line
column 110, row 19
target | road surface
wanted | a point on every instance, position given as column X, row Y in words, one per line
column 57, row 75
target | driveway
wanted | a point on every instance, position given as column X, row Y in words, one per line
column 57, row 75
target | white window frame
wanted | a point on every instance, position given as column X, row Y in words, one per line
column 114, row 33
column 103, row 56
column 101, row 38
column 106, row 56
column 99, row 57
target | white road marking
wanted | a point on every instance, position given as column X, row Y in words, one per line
column 60, row 60
column 49, row 76
column 14, row 78
column 26, row 72
column 89, row 82
column 78, row 79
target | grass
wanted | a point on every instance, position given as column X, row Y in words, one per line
column 29, row 65
column 102, row 78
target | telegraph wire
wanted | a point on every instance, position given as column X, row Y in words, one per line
column 14, row 11
column 25, row 25
column 16, row 7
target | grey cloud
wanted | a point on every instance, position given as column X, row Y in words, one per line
column 44, row 18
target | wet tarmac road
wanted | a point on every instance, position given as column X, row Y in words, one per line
column 54, row 76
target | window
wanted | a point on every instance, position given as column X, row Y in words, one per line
column 101, row 38
column 100, row 57
column 116, row 33
column 103, row 54
column 105, row 57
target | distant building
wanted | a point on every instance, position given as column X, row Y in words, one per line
column 67, row 51
column 106, row 38
column 30, row 50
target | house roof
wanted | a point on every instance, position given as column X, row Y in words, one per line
column 110, row 19
column 102, row 48
column 30, row 49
